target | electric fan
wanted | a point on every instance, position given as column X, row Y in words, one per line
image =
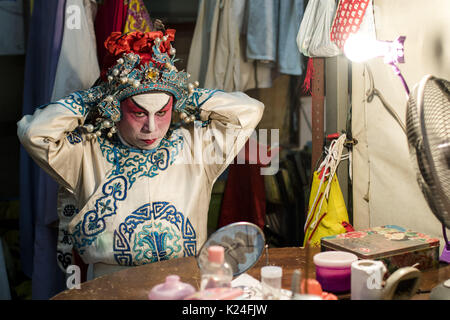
column 428, row 131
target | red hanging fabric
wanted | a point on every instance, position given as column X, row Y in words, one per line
column 244, row 198
column 111, row 17
column 308, row 77
column 245, row 195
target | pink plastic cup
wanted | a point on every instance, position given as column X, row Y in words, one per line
column 333, row 270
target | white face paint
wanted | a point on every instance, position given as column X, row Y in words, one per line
column 152, row 103
column 145, row 119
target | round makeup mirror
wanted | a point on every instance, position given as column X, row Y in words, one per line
column 244, row 244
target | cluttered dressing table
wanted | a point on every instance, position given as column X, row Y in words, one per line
column 135, row 283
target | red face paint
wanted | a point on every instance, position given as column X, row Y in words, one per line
column 145, row 121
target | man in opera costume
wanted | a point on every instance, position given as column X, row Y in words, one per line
column 139, row 153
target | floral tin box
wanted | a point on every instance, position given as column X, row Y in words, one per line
column 395, row 246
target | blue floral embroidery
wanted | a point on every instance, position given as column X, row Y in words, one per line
column 166, row 234
column 74, row 137
column 70, row 210
column 200, row 96
column 113, row 191
column 74, row 102
column 93, row 221
column 152, row 246
column 79, row 240
column 134, row 163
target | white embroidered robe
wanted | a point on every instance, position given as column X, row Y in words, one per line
column 139, row 206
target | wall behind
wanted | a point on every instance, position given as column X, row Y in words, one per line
column 385, row 187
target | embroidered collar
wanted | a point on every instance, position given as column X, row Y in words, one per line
column 136, row 163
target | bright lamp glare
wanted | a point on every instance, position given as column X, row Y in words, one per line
column 360, row 48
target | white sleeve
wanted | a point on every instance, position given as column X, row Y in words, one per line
column 50, row 137
column 232, row 119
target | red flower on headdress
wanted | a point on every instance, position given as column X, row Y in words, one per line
column 140, row 43
column 117, row 44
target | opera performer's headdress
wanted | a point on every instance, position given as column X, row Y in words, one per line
column 138, row 62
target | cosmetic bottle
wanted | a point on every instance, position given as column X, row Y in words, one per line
column 216, row 273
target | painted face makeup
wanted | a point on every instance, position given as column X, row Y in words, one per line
column 145, row 119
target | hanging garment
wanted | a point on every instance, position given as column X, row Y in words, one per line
column 12, row 40
column 111, row 17
column 217, row 54
column 77, row 69
column 262, row 30
column 244, row 197
column 241, row 45
column 138, row 18
column 259, row 37
column 272, row 26
column 77, row 65
column 289, row 58
column 201, row 41
column 37, row 237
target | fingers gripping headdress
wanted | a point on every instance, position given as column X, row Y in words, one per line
column 139, row 62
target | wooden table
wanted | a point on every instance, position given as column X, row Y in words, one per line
column 135, row 283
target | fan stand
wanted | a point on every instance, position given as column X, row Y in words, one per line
column 445, row 256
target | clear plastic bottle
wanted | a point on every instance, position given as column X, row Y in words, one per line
column 217, row 273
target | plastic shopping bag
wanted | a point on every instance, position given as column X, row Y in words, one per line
column 329, row 216
column 327, row 213
column 313, row 38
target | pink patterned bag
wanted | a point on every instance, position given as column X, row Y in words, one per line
column 348, row 19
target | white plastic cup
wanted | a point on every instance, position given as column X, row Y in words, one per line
column 271, row 282
column 366, row 280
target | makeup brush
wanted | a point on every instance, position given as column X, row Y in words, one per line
column 306, row 266
column 295, row 283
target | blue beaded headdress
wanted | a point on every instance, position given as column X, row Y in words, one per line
column 130, row 76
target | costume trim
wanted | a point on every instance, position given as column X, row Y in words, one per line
column 137, row 163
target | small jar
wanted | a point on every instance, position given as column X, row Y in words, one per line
column 333, row 270
column 271, row 282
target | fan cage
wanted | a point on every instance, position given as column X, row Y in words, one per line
column 428, row 132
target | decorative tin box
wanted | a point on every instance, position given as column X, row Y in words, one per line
column 394, row 245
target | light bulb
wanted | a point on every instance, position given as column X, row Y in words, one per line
column 360, row 48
